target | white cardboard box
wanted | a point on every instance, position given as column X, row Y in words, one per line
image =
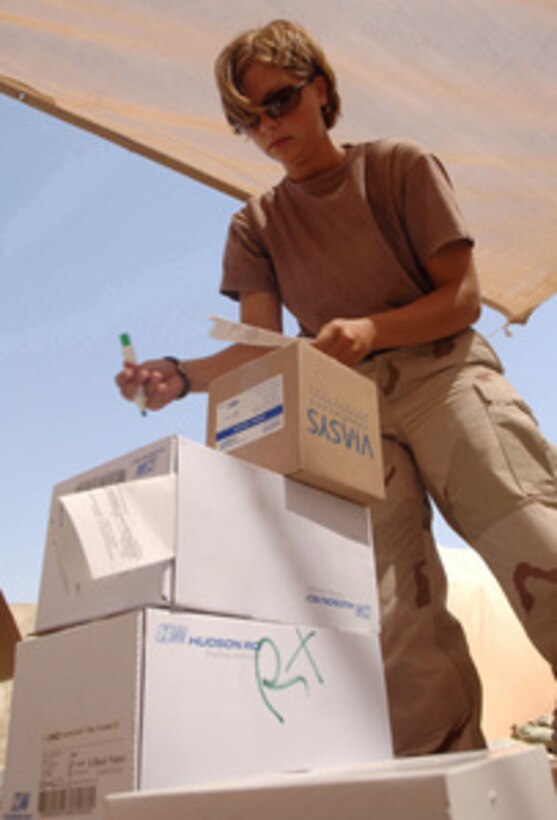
column 247, row 542
column 510, row 784
column 153, row 699
column 302, row 414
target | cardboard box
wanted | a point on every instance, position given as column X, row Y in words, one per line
column 153, row 699
column 9, row 637
column 246, row 542
column 510, row 784
column 304, row 415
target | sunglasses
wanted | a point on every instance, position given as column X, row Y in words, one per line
column 275, row 105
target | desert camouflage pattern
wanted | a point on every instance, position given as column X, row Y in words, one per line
column 455, row 429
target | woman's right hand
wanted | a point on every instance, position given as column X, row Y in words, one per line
column 158, row 378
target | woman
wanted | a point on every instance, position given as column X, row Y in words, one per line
column 366, row 246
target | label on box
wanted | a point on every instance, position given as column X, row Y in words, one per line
column 250, row 415
column 79, row 766
column 282, row 672
column 340, row 423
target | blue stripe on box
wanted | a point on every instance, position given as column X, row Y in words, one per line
column 260, row 418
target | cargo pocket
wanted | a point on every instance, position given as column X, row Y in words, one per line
column 527, row 454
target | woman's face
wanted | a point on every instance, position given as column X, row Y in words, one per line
column 293, row 139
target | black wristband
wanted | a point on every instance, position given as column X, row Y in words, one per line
column 181, row 372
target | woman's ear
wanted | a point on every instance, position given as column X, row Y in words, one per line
column 320, row 85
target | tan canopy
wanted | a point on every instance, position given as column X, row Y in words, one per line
column 474, row 81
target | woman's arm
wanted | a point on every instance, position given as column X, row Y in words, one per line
column 452, row 306
column 262, row 309
column 162, row 382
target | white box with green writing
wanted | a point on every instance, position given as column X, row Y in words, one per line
column 152, row 699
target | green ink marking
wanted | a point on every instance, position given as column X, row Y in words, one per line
column 276, row 683
column 303, row 646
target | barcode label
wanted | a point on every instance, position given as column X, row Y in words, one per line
column 72, row 800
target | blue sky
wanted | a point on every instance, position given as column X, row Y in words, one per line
column 95, row 240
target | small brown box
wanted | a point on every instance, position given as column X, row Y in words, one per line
column 304, row 415
column 9, row 637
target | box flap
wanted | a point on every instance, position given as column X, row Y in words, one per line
column 241, row 333
column 114, row 529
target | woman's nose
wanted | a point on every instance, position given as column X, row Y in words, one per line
column 267, row 123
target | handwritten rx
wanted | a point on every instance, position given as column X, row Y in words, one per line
column 280, row 679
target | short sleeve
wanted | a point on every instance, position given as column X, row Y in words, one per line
column 431, row 214
column 247, row 265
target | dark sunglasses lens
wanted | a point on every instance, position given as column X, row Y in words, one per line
column 283, row 102
column 277, row 105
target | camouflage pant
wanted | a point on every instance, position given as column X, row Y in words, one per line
column 455, row 429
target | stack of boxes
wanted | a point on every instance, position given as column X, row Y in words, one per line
column 209, row 629
column 205, row 618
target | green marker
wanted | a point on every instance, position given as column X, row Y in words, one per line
column 128, row 354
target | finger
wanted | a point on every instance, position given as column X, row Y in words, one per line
column 156, row 377
column 127, row 374
column 339, row 344
column 326, row 338
column 143, row 375
column 346, row 350
column 154, row 390
column 159, row 396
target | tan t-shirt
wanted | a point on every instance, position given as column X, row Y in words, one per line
column 349, row 242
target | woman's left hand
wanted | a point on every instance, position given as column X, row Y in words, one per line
column 347, row 340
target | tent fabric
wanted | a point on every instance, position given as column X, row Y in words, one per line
column 475, row 82
column 517, row 683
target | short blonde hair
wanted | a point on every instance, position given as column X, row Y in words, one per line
column 281, row 43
